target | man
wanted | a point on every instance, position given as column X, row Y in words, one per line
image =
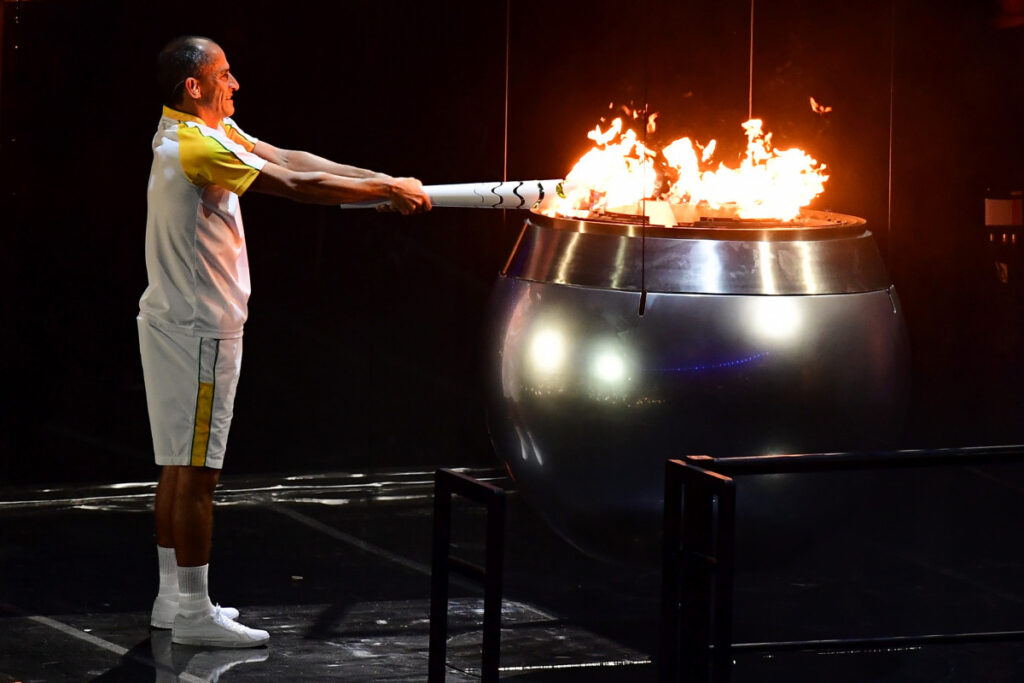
column 191, row 314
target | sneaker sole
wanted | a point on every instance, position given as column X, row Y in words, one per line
column 201, row 642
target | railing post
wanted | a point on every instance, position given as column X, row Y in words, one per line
column 439, row 580
column 492, row 586
column 724, row 551
column 668, row 662
column 697, row 575
column 696, row 578
column 447, row 483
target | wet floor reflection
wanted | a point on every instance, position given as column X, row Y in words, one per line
column 341, row 580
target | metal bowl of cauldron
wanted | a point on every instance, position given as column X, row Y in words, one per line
column 612, row 346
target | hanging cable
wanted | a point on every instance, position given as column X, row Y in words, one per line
column 643, row 182
column 508, row 71
column 643, row 204
column 892, row 123
column 508, row 42
column 750, row 75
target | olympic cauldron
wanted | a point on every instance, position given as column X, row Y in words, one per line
column 613, row 346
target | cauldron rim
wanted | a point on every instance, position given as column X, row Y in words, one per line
column 812, row 225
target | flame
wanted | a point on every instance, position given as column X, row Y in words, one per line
column 618, row 174
column 819, row 108
column 617, row 171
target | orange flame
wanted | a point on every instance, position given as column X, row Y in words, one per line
column 618, row 175
column 616, row 171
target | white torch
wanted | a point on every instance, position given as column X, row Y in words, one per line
column 513, row 194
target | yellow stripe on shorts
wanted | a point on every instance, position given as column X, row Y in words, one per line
column 201, row 433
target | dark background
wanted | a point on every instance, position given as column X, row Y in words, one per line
column 364, row 338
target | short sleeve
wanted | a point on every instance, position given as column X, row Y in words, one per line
column 210, row 157
column 236, row 134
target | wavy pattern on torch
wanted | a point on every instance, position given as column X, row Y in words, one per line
column 522, row 199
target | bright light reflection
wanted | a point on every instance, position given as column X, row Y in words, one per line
column 766, row 265
column 547, row 350
column 522, row 444
column 710, row 266
column 567, row 258
column 805, row 261
column 609, row 366
column 527, row 446
column 776, row 317
column 536, row 451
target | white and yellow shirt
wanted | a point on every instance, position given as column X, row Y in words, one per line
column 195, row 246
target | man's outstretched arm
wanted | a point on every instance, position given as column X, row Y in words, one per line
column 406, row 195
column 295, row 160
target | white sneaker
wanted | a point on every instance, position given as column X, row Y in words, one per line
column 166, row 608
column 215, row 629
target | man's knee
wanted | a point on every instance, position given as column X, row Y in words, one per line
column 196, row 482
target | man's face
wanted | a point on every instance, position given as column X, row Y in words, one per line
column 217, row 85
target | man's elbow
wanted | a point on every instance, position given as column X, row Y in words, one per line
column 287, row 159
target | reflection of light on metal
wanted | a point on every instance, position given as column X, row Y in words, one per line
column 776, row 317
column 528, row 446
column 609, row 366
column 767, row 274
column 567, row 259
column 536, row 451
column 522, row 444
column 547, row 350
column 718, row 365
column 709, row 265
column 619, row 269
column 511, row 382
column 810, row 281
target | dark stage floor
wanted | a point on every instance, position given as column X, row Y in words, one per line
column 336, row 567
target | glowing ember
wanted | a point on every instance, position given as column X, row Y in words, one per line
column 819, row 108
column 618, row 175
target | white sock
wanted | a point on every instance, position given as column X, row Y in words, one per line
column 168, row 572
column 193, row 591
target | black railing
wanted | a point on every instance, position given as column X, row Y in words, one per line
column 873, row 460
column 697, row 584
column 446, row 484
column 698, row 554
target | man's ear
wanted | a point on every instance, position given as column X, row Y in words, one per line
column 192, row 88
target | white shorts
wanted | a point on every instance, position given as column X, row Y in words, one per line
column 190, row 391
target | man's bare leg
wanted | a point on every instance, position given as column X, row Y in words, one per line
column 165, row 606
column 198, row 621
column 184, row 512
column 191, row 513
column 163, row 506
column 192, row 529
column 166, row 508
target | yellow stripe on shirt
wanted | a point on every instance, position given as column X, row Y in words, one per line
column 236, row 134
column 208, row 160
